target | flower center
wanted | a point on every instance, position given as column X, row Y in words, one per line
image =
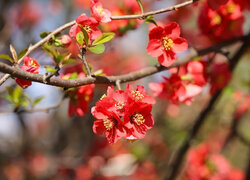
column 137, row 95
column 87, row 28
column 108, row 124
column 231, row 8
column 100, row 9
column 167, row 43
column 120, row 105
column 103, row 96
column 138, row 119
column 217, row 19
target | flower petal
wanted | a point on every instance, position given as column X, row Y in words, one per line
column 172, row 30
column 167, row 58
column 154, row 48
column 156, row 33
column 180, row 44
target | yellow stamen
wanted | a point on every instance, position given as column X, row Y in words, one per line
column 108, row 124
column 217, row 19
column 138, row 119
column 103, row 96
column 120, row 105
column 167, row 43
column 87, row 28
column 137, row 95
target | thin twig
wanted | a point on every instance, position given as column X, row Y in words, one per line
column 85, row 62
column 68, row 25
column 132, row 76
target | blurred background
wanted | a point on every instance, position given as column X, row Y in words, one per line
column 52, row 145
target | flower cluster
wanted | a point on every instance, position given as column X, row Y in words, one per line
column 165, row 42
column 223, row 23
column 182, row 87
column 30, row 65
column 202, row 163
column 79, row 97
column 89, row 24
column 124, row 114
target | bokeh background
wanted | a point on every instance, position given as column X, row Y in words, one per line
column 51, row 145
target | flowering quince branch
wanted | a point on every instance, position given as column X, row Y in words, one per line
column 177, row 160
column 132, row 76
column 70, row 24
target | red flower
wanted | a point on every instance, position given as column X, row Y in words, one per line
column 172, row 88
column 139, row 95
column 79, row 98
column 215, row 4
column 165, row 42
column 123, row 114
column 66, row 40
column 108, row 122
column 30, row 65
column 100, row 14
column 202, row 163
column 222, row 24
column 138, row 119
column 220, row 76
column 88, row 23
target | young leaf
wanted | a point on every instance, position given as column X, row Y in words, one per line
column 150, row 19
column 98, row 49
column 67, row 61
column 37, row 100
column 22, row 53
column 43, row 34
column 7, row 57
column 140, row 4
column 13, row 52
column 85, row 34
column 104, row 37
column 80, row 37
column 73, row 76
column 50, row 69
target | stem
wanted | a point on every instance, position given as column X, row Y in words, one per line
column 83, row 51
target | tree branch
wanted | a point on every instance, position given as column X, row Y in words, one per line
column 68, row 25
column 177, row 160
column 132, row 76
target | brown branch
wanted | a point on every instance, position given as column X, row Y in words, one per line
column 174, row 166
column 68, row 25
column 132, row 76
column 151, row 13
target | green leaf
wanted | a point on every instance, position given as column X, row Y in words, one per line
column 104, row 37
column 50, row 69
column 140, row 4
column 22, row 53
column 17, row 94
column 73, row 76
column 99, row 73
column 150, row 19
column 80, row 38
column 7, row 57
column 85, row 34
column 43, row 34
column 100, row 48
column 37, row 100
column 67, row 61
